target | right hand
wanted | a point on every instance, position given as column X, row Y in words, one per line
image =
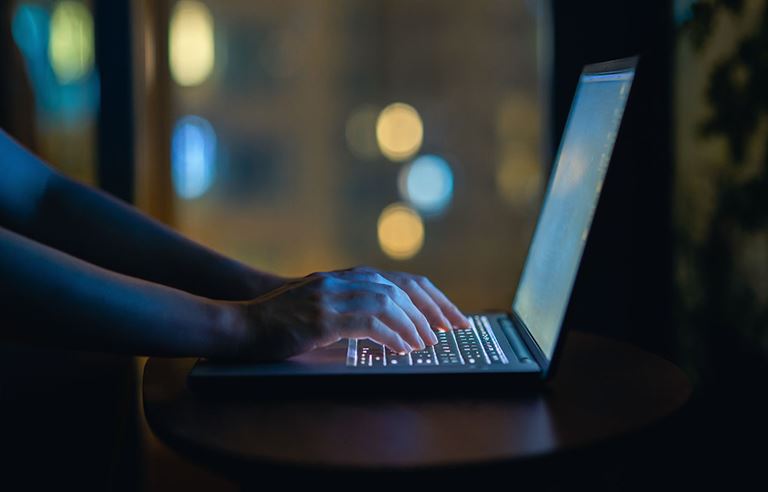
column 323, row 308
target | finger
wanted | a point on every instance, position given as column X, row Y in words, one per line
column 447, row 307
column 378, row 300
column 359, row 325
column 422, row 301
column 403, row 299
column 416, row 315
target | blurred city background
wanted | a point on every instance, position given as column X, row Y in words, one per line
column 306, row 135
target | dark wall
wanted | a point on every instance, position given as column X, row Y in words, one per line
column 16, row 99
column 624, row 288
column 112, row 30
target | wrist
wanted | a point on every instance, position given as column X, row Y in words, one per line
column 259, row 283
column 230, row 332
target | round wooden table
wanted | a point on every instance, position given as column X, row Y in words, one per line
column 603, row 389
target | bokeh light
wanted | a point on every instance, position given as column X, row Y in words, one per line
column 360, row 132
column 30, row 29
column 69, row 102
column 193, row 156
column 400, row 231
column 519, row 177
column 427, row 184
column 70, row 46
column 191, row 43
column 399, row 131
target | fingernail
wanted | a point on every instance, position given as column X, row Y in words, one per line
column 433, row 338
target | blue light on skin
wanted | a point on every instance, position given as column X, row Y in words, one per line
column 71, row 103
column 427, row 184
column 193, row 154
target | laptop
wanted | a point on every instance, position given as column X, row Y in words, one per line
column 519, row 344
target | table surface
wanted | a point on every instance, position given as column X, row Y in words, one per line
column 603, row 389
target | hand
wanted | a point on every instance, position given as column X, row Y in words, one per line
column 394, row 309
column 441, row 313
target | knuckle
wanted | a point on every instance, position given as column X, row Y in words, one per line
column 382, row 300
column 411, row 282
column 390, row 290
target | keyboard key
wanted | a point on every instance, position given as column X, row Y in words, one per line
column 424, row 357
column 395, row 359
column 469, row 345
column 475, row 345
column 446, row 350
column 369, row 354
column 488, row 339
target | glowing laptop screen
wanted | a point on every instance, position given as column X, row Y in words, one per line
column 561, row 232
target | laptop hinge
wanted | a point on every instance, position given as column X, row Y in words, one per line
column 530, row 343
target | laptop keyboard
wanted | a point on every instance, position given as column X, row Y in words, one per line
column 476, row 345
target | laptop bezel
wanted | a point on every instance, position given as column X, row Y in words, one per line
column 548, row 366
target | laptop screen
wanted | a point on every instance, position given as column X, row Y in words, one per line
column 561, row 232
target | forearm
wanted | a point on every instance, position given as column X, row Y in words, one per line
column 92, row 225
column 51, row 298
column 40, row 203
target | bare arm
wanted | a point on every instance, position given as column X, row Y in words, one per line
column 48, row 297
column 80, row 269
column 41, row 204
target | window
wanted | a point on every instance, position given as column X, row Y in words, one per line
column 309, row 135
column 56, row 43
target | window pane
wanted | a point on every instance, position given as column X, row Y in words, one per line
column 55, row 96
column 319, row 135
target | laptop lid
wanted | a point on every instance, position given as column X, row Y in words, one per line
column 569, row 204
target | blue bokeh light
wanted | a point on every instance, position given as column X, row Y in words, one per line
column 427, row 184
column 30, row 29
column 193, row 156
column 71, row 103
